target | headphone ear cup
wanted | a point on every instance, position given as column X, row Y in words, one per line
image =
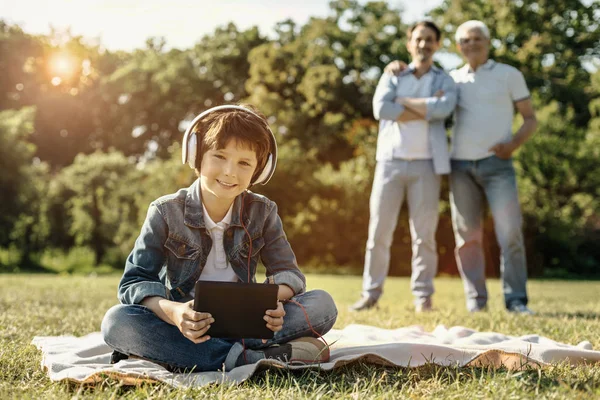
column 192, row 146
column 266, row 172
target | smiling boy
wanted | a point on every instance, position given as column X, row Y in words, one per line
column 216, row 230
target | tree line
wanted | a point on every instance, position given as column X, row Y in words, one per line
column 91, row 136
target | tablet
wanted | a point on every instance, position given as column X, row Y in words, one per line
column 238, row 308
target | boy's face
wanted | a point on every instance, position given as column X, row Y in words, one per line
column 226, row 173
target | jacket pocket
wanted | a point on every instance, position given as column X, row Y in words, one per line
column 257, row 244
column 182, row 259
column 181, row 249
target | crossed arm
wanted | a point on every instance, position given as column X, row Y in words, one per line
column 386, row 104
column 416, row 107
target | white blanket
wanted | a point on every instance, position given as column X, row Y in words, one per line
column 87, row 359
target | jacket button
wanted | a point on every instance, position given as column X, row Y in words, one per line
column 181, row 249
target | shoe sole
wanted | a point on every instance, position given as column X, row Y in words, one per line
column 306, row 347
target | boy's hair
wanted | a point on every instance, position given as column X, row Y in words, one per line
column 426, row 24
column 219, row 127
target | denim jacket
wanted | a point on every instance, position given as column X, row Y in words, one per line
column 438, row 109
column 171, row 250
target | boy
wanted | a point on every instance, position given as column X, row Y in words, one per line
column 202, row 233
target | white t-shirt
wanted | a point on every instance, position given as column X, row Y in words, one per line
column 414, row 135
column 485, row 108
column 217, row 267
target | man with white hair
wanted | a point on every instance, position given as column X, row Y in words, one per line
column 482, row 167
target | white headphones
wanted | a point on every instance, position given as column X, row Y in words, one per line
column 190, row 144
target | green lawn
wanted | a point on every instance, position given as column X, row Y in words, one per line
column 569, row 312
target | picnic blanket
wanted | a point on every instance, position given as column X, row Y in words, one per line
column 87, row 359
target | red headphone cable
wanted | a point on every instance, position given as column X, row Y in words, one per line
column 283, row 301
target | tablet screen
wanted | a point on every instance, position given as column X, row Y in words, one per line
column 238, row 308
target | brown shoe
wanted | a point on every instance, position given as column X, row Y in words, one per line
column 364, row 303
column 305, row 350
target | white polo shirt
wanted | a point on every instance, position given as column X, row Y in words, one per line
column 413, row 138
column 485, row 108
column 217, row 267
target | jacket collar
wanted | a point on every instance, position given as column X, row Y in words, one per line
column 193, row 214
column 411, row 70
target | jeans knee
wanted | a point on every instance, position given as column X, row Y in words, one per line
column 325, row 301
column 325, row 309
column 468, row 238
column 510, row 237
column 114, row 324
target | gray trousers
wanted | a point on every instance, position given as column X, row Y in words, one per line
column 393, row 180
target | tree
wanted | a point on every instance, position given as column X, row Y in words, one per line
column 32, row 228
column 159, row 89
column 314, row 82
column 102, row 208
column 15, row 158
column 19, row 54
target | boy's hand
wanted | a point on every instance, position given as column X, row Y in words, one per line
column 274, row 318
column 192, row 324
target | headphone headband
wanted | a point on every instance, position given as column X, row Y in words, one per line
column 190, row 143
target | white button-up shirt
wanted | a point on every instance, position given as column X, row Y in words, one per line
column 413, row 136
column 217, row 267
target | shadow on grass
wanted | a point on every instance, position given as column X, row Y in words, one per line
column 117, row 389
column 72, row 270
column 369, row 378
column 29, row 268
column 574, row 315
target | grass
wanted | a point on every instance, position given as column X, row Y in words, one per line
column 35, row 304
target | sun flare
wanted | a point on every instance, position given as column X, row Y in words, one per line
column 62, row 65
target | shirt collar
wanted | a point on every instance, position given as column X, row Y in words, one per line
column 489, row 64
column 411, row 69
column 224, row 223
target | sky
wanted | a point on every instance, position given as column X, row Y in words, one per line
column 125, row 24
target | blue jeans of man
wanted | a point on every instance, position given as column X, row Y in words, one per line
column 471, row 184
column 136, row 330
column 393, row 180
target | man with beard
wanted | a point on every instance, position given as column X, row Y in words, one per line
column 412, row 153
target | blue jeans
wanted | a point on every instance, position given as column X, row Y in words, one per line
column 135, row 330
column 471, row 184
column 394, row 180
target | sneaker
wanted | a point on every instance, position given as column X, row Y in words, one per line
column 305, row 350
column 117, row 356
column 364, row 303
column 520, row 308
column 424, row 305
